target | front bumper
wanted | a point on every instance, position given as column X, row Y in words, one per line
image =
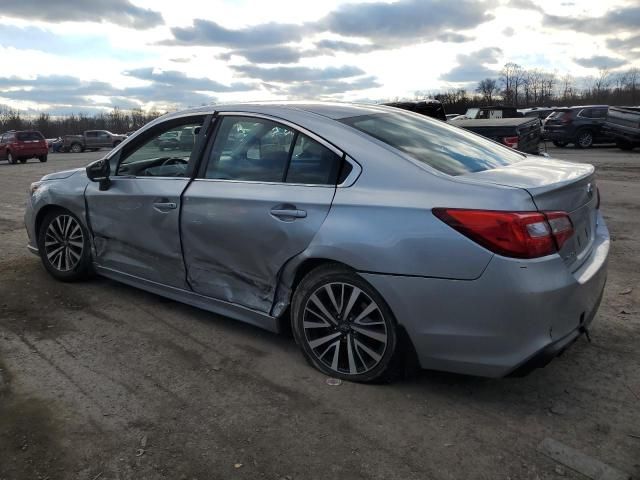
column 495, row 324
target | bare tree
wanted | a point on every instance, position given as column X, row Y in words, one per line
column 487, row 88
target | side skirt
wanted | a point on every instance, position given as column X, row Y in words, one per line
column 220, row 307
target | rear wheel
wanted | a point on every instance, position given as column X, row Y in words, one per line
column 23, row 160
column 584, row 139
column 42, row 158
column 344, row 327
column 63, row 243
column 76, row 148
column 559, row 143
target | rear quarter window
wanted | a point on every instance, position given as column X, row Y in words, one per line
column 24, row 136
column 446, row 148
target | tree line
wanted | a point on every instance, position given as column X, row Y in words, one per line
column 116, row 121
column 521, row 87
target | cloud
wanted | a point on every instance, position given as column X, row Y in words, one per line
column 297, row 74
column 119, row 12
column 471, row 68
column 508, row 32
column 269, row 54
column 613, row 21
column 405, row 21
column 331, row 46
column 629, row 46
column 63, row 90
column 525, row 5
column 208, row 33
column 181, row 81
column 390, row 24
column 600, row 61
column 329, row 87
column 452, row 37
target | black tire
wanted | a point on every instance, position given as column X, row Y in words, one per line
column 76, row 148
column 350, row 337
column 560, row 144
column 80, row 267
column 584, row 139
column 23, row 160
column 42, row 158
column 11, row 159
column 624, row 145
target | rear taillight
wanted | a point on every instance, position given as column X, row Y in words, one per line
column 566, row 117
column 511, row 234
column 510, row 142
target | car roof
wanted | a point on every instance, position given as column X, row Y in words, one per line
column 590, row 106
column 333, row 110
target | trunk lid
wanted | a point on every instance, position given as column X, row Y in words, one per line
column 556, row 185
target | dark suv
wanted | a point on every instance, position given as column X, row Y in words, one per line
column 581, row 126
column 22, row 145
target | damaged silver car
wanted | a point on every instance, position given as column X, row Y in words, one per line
column 379, row 234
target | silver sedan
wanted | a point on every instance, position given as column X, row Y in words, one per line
column 382, row 236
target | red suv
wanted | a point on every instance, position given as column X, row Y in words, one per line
column 23, row 145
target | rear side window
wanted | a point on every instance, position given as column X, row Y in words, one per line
column 312, row 163
column 24, row 136
column 586, row 113
column 599, row 113
column 446, row 148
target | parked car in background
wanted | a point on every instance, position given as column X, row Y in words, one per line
column 623, row 125
column 378, row 234
column 498, row 111
column 580, row 125
column 91, row 140
column 518, row 133
column 21, row 145
column 430, row 108
column 182, row 139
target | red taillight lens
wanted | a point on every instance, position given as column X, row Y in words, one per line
column 566, row 117
column 511, row 234
column 510, row 142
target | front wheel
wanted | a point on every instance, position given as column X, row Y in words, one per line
column 584, row 139
column 64, row 248
column 344, row 327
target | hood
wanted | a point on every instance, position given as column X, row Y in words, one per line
column 61, row 175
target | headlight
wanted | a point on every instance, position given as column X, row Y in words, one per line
column 34, row 187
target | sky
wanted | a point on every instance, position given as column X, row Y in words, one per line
column 72, row 56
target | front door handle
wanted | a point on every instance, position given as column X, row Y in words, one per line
column 165, row 206
column 284, row 213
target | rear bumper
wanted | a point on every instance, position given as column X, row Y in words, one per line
column 516, row 312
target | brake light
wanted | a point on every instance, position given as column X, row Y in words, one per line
column 510, row 142
column 566, row 117
column 511, row 234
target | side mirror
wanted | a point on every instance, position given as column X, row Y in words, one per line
column 99, row 171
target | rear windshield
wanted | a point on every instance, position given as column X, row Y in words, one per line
column 446, row 148
column 22, row 136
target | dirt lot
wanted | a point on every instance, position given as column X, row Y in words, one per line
column 102, row 381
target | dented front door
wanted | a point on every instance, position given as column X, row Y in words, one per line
column 135, row 225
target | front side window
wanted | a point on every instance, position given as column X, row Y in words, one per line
column 250, row 149
column 91, row 134
column 446, row 148
column 162, row 152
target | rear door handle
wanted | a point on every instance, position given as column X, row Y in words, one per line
column 288, row 213
column 165, row 206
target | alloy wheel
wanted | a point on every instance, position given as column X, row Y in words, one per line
column 585, row 140
column 64, row 243
column 345, row 328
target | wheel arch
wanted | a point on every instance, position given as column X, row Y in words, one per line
column 43, row 213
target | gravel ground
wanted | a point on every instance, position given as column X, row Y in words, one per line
column 100, row 380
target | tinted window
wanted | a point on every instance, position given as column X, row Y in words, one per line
column 163, row 152
column 23, row 136
column 251, row 149
column 599, row 113
column 312, row 163
column 442, row 146
column 586, row 113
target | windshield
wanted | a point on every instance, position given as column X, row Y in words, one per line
column 446, row 148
